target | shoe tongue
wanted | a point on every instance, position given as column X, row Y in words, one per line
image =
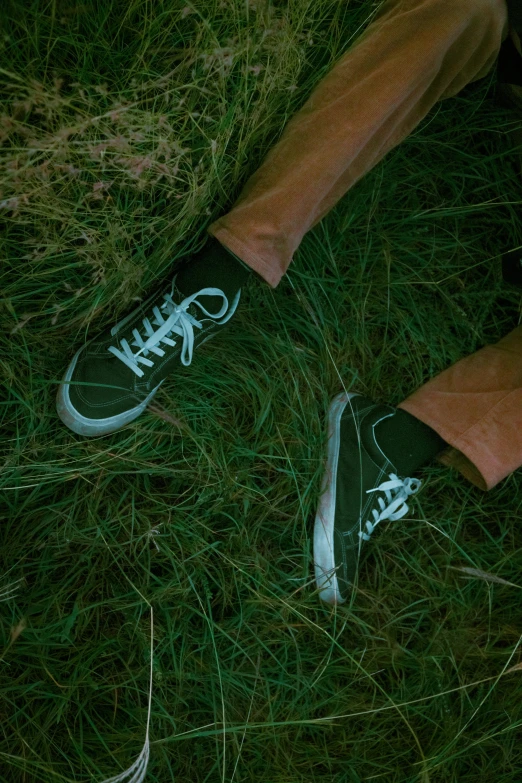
column 195, row 311
column 368, row 424
column 146, row 311
column 212, row 304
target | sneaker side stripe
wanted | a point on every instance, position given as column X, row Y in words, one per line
column 81, row 425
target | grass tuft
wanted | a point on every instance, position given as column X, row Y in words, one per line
column 125, row 129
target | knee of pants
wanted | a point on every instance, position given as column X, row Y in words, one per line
column 489, row 18
column 486, row 11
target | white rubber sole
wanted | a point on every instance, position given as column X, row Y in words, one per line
column 81, row 425
column 324, row 561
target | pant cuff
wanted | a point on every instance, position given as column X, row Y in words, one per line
column 456, row 455
column 456, row 459
column 240, row 249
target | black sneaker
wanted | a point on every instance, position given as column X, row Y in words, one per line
column 112, row 379
column 360, row 488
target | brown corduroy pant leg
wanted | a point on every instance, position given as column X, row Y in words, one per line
column 412, row 54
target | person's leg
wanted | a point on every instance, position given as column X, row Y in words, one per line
column 476, row 407
column 413, row 54
column 469, row 417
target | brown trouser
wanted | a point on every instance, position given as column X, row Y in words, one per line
column 413, row 54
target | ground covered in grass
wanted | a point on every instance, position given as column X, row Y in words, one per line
column 125, row 129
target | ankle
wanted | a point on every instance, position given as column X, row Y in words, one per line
column 212, row 267
column 407, row 442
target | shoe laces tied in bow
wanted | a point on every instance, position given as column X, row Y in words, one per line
column 171, row 318
column 396, row 491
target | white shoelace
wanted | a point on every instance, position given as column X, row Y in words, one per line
column 396, row 491
column 177, row 321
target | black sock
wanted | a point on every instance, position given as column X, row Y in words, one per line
column 407, row 442
column 213, row 267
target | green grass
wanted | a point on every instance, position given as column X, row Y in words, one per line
column 204, row 507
